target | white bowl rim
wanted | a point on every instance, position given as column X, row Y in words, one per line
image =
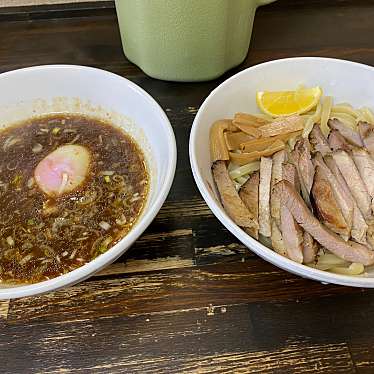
column 252, row 244
column 117, row 250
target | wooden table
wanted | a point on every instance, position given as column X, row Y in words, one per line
column 188, row 297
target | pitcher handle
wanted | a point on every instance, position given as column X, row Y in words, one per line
column 264, row 2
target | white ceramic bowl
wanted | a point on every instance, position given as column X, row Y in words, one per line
column 345, row 81
column 79, row 89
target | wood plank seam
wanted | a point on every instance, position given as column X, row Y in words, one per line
column 4, row 309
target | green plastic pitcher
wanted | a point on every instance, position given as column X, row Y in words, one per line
column 186, row 40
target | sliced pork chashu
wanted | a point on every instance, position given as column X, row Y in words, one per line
column 326, row 206
column 292, row 233
column 337, row 141
column 230, row 199
column 264, row 219
column 349, row 251
column 365, row 165
column 318, row 141
column 276, row 176
column 359, row 225
column 289, row 173
column 310, row 248
column 366, row 132
column 319, row 144
column 370, row 236
column 350, row 135
column 249, row 195
column 354, row 181
column 343, row 199
column 277, row 240
column 301, row 157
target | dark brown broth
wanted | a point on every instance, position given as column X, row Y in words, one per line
column 43, row 237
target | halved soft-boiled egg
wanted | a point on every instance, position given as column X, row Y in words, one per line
column 63, row 170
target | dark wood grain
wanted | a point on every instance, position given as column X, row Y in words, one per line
column 23, row 13
column 188, row 297
column 196, row 341
column 222, row 284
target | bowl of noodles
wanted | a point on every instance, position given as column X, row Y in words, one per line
column 283, row 154
column 87, row 160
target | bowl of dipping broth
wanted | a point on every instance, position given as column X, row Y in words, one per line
column 87, row 160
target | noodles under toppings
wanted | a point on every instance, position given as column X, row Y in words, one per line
column 248, row 138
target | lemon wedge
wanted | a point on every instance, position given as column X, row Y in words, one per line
column 285, row 103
